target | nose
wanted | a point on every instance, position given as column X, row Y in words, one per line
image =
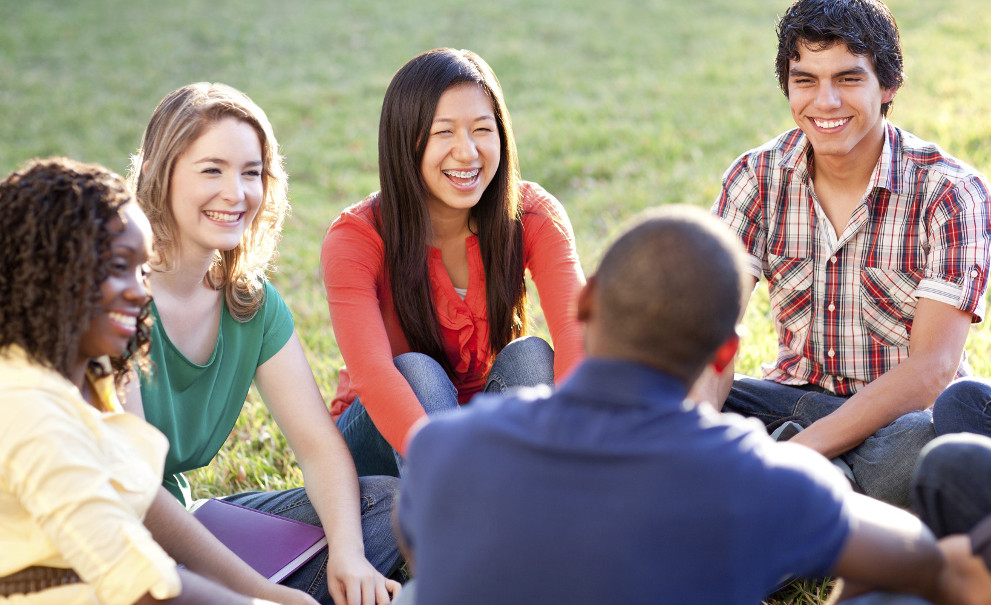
column 234, row 189
column 138, row 290
column 827, row 96
column 464, row 149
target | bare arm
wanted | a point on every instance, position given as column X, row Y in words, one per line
column 938, row 335
column 291, row 394
column 197, row 590
column 191, row 544
column 888, row 549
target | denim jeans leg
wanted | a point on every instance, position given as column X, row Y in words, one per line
column 524, row 362
column 882, row 465
column 372, row 454
column 964, row 407
column 377, row 495
column 950, row 487
column 431, row 385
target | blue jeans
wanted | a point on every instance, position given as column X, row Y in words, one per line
column 377, row 495
column 964, row 407
column 526, row 361
column 882, row 465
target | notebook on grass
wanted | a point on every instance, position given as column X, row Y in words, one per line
column 274, row 546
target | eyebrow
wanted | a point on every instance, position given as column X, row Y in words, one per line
column 478, row 119
column 853, row 71
column 224, row 162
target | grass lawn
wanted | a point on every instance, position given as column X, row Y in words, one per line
column 617, row 106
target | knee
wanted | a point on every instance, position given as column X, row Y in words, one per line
column 429, row 381
column 524, row 362
column 531, row 348
column 953, row 456
column 963, row 407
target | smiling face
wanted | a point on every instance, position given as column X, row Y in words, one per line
column 124, row 291
column 835, row 98
column 216, row 187
column 463, row 150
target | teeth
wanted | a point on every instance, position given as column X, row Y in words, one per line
column 462, row 174
column 122, row 318
column 223, row 217
column 830, row 123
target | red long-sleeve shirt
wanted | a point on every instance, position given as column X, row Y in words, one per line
column 367, row 327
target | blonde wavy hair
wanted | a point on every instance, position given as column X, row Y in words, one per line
column 178, row 121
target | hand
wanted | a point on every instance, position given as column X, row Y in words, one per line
column 965, row 578
column 352, row 580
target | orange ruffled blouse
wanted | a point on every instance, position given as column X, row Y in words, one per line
column 367, row 327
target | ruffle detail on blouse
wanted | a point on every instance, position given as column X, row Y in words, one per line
column 464, row 321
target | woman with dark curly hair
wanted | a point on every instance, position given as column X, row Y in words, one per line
column 77, row 476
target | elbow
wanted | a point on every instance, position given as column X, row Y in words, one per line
column 936, row 374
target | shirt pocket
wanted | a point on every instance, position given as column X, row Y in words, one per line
column 888, row 304
column 790, row 287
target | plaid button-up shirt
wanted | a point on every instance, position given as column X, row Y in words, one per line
column 843, row 304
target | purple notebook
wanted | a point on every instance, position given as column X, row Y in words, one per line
column 274, row 546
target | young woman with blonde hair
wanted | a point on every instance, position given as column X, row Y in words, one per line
column 210, row 177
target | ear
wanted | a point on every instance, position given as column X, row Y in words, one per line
column 725, row 353
column 887, row 94
column 586, row 300
column 144, row 166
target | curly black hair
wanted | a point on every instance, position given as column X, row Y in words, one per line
column 866, row 27
column 58, row 219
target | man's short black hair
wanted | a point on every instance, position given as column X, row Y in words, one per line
column 670, row 290
column 866, row 27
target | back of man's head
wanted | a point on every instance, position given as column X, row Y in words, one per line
column 866, row 27
column 668, row 292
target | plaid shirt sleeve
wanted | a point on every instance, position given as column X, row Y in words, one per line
column 740, row 207
column 960, row 234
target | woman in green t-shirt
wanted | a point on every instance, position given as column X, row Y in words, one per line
column 210, row 178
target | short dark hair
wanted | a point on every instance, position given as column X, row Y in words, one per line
column 670, row 290
column 866, row 27
column 58, row 220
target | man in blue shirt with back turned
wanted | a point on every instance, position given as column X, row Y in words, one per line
column 616, row 489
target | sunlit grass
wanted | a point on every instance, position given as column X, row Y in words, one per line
column 617, row 106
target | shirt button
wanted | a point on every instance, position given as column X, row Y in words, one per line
column 973, row 273
column 831, row 307
column 833, row 260
column 839, row 379
column 777, row 276
column 831, row 353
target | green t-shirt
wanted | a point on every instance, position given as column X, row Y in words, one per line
column 196, row 406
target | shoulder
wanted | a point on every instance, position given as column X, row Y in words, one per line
column 782, row 151
column 780, row 465
column 538, row 208
column 534, row 199
column 363, row 216
column 920, row 155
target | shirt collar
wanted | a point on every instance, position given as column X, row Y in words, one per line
column 886, row 173
column 623, row 382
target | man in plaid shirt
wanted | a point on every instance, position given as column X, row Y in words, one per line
column 875, row 247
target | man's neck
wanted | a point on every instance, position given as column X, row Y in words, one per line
column 840, row 182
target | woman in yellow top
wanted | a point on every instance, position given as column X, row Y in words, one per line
column 78, row 476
